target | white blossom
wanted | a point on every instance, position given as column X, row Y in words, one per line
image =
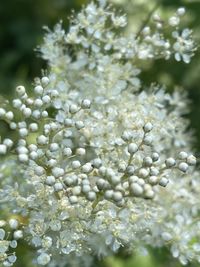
column 111, row 166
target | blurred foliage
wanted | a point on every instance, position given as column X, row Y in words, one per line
column 21, row 31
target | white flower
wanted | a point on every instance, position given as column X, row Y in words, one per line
column 107, row 168
column 184, row 46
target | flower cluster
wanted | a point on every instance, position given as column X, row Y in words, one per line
column 6, row 255
column 99, row 164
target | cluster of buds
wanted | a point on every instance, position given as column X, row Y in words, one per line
column 7, row 256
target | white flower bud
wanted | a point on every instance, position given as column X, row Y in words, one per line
column 46, row 99
column 22, row 150
column 127, row 136
column 102, row 170
column 156, row 17
column 114, row 179
column 136, row 189
column 20, row 90
column 54, row 147
column 67, row 151
column 45, row 114
column 183, row 166
column 97, row 163
column 54, row 93
column 23, row 158
column 170, row 162
column 174, row 21
column 52, row 163
column 146, row 30
column 143, row 173
column 73, row 199
column 133, row 179
column 18, row 234
column 8, row 142
column 33, row 155
column 76, row 164
column 110, row 172
column 45, row 81
column 86, row 168
column 2, row 234
column 117, row 196
column 130, row 170
column 23, row 132
column 73, row 108
column 42, row 140
column 17, row 103
column 76, row 190
column 154, row 171
column 132, row 148
column 191, row 160
column 47, row 242
column 27, row 112
column 22, row 142
column 86, row 188
column 29, row 101
column 13, row 223
column 91, row 196
column 125, row 185
column 22, row 124
column 40, row 153
column 80, row 151
column 141, row 181
column 149, row 194
column 13, row 126
column 57, row 172
column 58, row 187
column 122, row 167
column 32, row 147
column 36, row 114
column 50, row 180
column 86, row 103
column 24, row 97
column 38, row 90
column 2, row 223
column 148, row 127
column 148, row 140
column 2, row 112
column 39, row 170
column 180, row 11
column 166, row 236
column 43, row 259
column 33, row 127
column 69, row 122
column 101, row 183
column 182, row 155
column 153, row 180
column 13, row 244
column 79, row 125
column 9, row 115
column 38, row 103
column 163, row 181
column 120, row 188
column 54, row 126
column 148, row 161
column 108, row 194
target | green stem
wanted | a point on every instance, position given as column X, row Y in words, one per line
column 147, row 19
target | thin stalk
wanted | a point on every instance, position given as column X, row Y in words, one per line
column 147, row 19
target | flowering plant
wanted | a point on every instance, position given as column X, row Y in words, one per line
column 100, row 163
